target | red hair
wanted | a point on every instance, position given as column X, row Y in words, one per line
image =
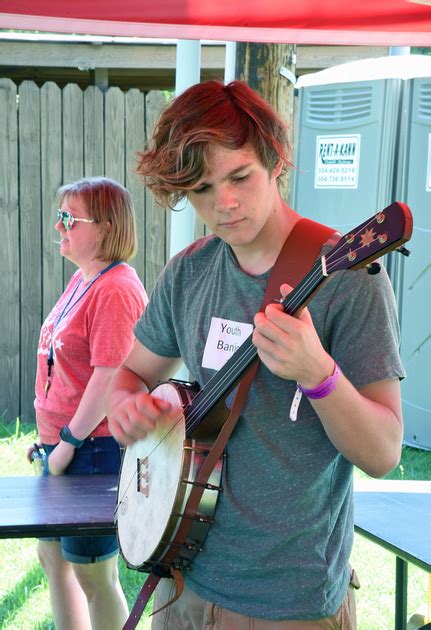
column 230, row 115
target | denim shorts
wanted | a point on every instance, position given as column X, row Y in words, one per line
column 95, row 456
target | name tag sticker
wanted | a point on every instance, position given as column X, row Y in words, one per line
column 224, row 338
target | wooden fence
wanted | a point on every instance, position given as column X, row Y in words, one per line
column 50, row 136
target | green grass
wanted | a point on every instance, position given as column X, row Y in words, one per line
column 24, row 598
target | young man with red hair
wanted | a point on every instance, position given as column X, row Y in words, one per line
column 277, row 555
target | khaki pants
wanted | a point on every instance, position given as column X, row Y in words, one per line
column 190, row 612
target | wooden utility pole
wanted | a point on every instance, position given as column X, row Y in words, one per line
column 262, row 66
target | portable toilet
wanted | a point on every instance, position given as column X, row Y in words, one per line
column 413, row 185
column 363, row 140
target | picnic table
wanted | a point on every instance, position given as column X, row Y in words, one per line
column 397, row 516
column 64, row 505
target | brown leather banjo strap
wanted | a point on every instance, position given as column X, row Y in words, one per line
column 141, row 601
column 298, row 255
column 296, row 258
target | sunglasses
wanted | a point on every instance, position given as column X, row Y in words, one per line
column 68, row 219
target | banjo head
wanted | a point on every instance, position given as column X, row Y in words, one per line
column 148, row 486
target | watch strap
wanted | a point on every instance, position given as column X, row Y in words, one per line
column 66, row 436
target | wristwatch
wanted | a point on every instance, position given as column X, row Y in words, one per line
column 66, row 436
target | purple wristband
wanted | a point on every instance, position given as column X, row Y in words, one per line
column 325, row 388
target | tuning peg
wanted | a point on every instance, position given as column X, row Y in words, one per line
column 403, row 250
column 373, row 268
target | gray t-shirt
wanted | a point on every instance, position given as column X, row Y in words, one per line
column 280, row 544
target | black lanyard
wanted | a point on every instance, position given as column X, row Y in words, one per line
column 66, row 310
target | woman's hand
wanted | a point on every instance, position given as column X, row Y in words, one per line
column 31, row 449
column 60, row 458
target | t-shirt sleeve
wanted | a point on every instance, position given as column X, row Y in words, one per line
column 362, row 326
column 156, row 329
column 111, row 323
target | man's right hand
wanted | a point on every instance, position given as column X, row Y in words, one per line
column 132, row 416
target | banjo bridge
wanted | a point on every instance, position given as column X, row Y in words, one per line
column 143, row 476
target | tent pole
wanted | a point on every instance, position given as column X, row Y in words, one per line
column 188, row 69
column 230, row 62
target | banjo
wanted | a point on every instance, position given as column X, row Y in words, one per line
column 157, row 530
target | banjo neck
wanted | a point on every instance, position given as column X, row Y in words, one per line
column 228, row 376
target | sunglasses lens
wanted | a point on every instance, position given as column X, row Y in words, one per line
column 66, row 218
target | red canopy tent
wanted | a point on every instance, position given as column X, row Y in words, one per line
column 368, row 22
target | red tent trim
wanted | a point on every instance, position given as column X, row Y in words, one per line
column 220, row 33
